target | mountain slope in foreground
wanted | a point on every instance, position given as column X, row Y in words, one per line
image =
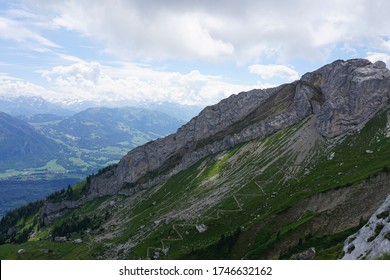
column 263, row 174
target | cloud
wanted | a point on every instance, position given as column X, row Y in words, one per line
column 267, row 72
column 14, row 30
column 7, row 77
column 261, row 36
column 136, row 84
column 236, row 30
column 12, row 86
column 375, row 56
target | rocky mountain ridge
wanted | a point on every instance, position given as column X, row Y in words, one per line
column 342, row 96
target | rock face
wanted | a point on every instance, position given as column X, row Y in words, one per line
column 373, row 240
column 353, row 92
column 342, row 95
column 309, row 254
column 60, row 239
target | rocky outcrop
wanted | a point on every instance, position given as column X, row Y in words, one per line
column 309, row 254
column 54, row 210
column 372, row 241
column 353, row 91
column 239, row 118
column 342, row 95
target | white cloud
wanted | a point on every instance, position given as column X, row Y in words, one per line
column 268, row 72
column 134, row 83
column 240, row 30
column 246, row 34
column 11, row 86
column 375, row 56
column 13, row 30
column 70, row 58
column 6, row 77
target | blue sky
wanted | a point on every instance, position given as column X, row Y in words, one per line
column 190, row 52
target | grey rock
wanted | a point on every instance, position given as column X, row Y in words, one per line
column 353, row 91
column 60, row 239
column 21, row 251
column 11, row 231
column 373, row 240
column 201, row 228
column 309, row 254
column 77, row 241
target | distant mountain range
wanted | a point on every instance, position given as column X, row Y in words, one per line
column 35, row 105
column 31, row 105
column 77, row 137
column 46, row 145
column 102, row 127
column 79, row 143
column 58, row 148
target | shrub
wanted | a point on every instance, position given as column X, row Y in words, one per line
column 383, row 215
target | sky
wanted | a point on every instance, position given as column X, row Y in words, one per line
column 188, row 52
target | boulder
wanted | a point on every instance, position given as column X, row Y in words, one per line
column 21, row 251
column 309, row 254
column 60, row 239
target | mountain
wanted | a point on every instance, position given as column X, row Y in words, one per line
column 28, row 164
column 99, row 136
column 80, row 143
column 181, row 112
column 54, row 151
column 25, row 107
column 21, row 146
column 30, row 105
column 41, row 118
column 286, row 172
column 100, row 127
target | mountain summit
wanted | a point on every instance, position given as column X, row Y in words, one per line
column 267, row 173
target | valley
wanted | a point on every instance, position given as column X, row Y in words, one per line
column 50, row 148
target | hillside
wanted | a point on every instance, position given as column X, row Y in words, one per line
column 265, row 174
column 54, row 151
column 101, row 127
column 100, row 136
column 21, row 144
column 78, row 144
